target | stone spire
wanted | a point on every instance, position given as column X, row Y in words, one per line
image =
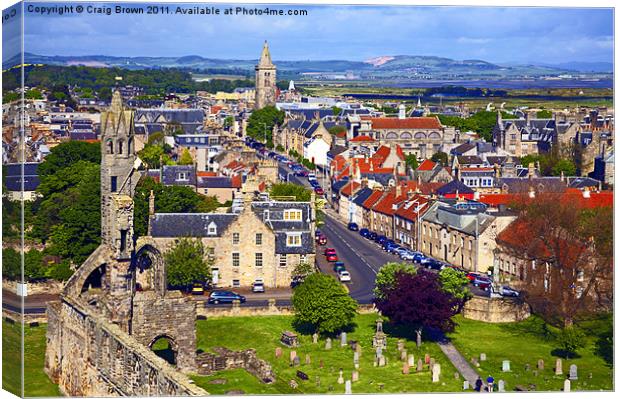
column 265, row 57
column 117, row 102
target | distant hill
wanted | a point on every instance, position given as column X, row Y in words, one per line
column 381, row 67
column 587, row 67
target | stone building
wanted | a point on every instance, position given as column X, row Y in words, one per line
column 265, row 240
column 265, row 80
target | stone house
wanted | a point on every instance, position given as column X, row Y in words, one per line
column 407, row 220
column 462, row 233
column 265, row 240
column 384, row 209
column 356, row 202
column 345, row 208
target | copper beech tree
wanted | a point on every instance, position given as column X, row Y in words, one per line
column 563, row 245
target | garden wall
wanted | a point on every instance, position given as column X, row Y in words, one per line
column 496, row 310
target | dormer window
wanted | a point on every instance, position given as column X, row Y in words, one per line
column 293, row 214
column 212, row 229
column 182, row 176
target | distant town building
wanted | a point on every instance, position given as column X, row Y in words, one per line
column 265, row 80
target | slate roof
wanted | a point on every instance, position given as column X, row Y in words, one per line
column 170, row 175
column 361, row 196
column 469, row 160
column 310, row 113
column 453, row 187
column 189, row 224
column 13, row 177
column 463, row 148
column 581, row 182
column 542, row 184
column 280, row 226
column 215, row 182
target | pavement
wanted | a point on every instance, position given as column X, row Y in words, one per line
column 33, row 304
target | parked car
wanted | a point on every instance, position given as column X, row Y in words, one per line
column 473, row 275
column 258, row 286
column 332, row 257
column 400, row 251
column 319, row 191
column 435, row 264
column 381, row 239
column 344, row 276
column 482, row 282
column 353, row 226
column 372, row 236
column 217, row 297
column 329, row 251
column 311, row 176
column 301, row 173
column 390, row 247
column 296, row 280
column 364, row 232
column 339, row 266
column 198, row 289
column 507, row 291
column 321, row 240
column 317, row 233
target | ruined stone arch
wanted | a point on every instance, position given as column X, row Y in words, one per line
column 170, row 356
column 420, row 135
column 149, row 270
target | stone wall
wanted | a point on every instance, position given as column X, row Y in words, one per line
column 88, row 356
column 225, row 359
column 496, row 310
column 50, row 287
column 271, row 309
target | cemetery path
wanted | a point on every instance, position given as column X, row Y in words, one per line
column 455, row 357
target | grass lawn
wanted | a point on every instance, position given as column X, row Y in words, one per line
column 36, row 381
column 263, row 334
column 526, row 342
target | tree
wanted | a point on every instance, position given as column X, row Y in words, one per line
column 455, row 283
column 154, row 156
column 570, row 339
column 303, row 270
column 186, row 264
column 544, row 114
column 322, row 305
column 565, row 166
column 33, row 94
column 418, row 301
column 300, row 193
column 279, row 148
column 262, row 121
column 186, row 158
column 156, row 138
column 565, row 251
column 440, row 157
column 337, row 129
column 411, row 160
column 11, row 264
column 68, row 153
column 386, row 277
column 336, row 110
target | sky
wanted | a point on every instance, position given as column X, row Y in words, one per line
column 494, row 34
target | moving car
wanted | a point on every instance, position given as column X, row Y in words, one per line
column 339, row 266
column 217, row 297
column 353, row 226
column 344, row 276
column 258, row 286
column 364, row 232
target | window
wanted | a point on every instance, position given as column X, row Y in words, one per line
column 282, row 261
column 303, row 258
column 293, row 240
column 236, row 284
column 235, row 259
column 182, row 176
column 259, row 238
column 235, row 238
column 113, row 183
column 258, row 259
column 292, row 214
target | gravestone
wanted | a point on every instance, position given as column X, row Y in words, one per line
column 506, row 365
column 358, row 348
column 356, row 358
column 535, row 372
column 527, row 367
column 465, row 385
column 328, row 343
column 293, row 384
column 483, row 357
column 340, row 377
column 436, row 371
column 420, row 365
column 292, row 356
column 296, row 361
column 558, row 366
column 566, row 385
column 302, row 375
column 457, row 376
column 381, row 361
column 278, row 352
column 405, row 368
column 379, row 339
column 355, row 376
column 289, row 339
column 379, row 352
column 347, row 387
column 411, row 360
column 572, row 372
column 501, row 386
column 321, row 365
column 400, row 345
column 427, row 358
column 317, row 381
column 315, row 338
column 308, row 359
column 343, row 339
column 403, row 355
column 431, row 363
column 541, row 364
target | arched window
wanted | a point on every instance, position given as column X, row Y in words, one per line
column 420, row 135
column 120, row 146
column 391, row 135
column 405, row 135
column 109, row 147
column 130, row 146
column 434, row 135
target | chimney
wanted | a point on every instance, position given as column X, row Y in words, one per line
column 586, row 192
column 498, row 170
column 476, row 195
column 531, row 192
column 562, row 175
column 398, row 190
column 402, row 113
column 530, row 170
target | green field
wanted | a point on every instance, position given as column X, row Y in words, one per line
column 263, row 334
column 36, row 382
column 526, row 342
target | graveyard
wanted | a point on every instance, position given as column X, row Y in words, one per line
column 528, row 358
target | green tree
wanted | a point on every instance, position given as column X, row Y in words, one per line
column 66, row 154
column 186, row 158
column 10, row 97
column 11, row 264
column 300, row 193
column 154, row 156
column 186, row 264
column 564, row 165
column 156, row 138
column 336, row 110
column 279, row 148
column 455, row 283
column 570, row 340
column 303, row 270
column 33, row 94
column 33, row 265
column 530, row 158
column 60, row 271
column 441, row 157
column 544, row 114
column 412, row 161
column 262, row 121
column 386, row 277
column 322, row 305
column 337, row 129
column 229, row 121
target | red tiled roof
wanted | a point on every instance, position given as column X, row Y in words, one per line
column 341, row 134
column 385, row 205
column 497, row 199
column 206, row 174
column 427, row 164
column 216, row 108
column 374, row 197
column 575, row 197
column 349, row 188
column 236, row 181
column 361, row 138
column 384, row 151
column 407, row 210
column 406, row 123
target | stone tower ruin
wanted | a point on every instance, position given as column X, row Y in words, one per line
column 265, row 80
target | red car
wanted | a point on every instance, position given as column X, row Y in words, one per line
column 329, row 251
column 319, row 191
column 321, row 240
column 472, row 276
column 332, row 258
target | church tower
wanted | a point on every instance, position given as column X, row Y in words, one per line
column 265, row 80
